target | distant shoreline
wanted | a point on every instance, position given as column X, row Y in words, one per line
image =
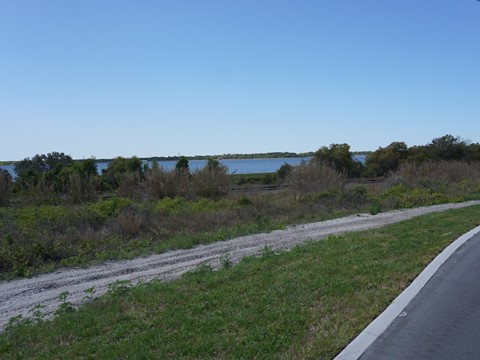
column 270, row 155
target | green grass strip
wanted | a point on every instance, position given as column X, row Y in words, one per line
column 307, row 303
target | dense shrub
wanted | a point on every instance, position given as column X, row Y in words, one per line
column 384, row 160
column 119, row 167
column 104, row 209
column 82, row 188
column 339, row 157
column 316, row 176
column 182, row 164
column 212, row 181
column 284, row 171
column 161, row 183
column 6, row 185
column 447, row 147
column 41, row 167
column 435, row 174
column 402, row 196
column 131, row 185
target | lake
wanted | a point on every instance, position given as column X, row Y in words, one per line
column 235, row 166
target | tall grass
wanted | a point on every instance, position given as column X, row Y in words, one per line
column 436, row 173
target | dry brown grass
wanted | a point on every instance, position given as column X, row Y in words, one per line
column 130, row 186
column 131, row 222
column 435, row 173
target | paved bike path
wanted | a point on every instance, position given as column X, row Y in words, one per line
column 442, row 321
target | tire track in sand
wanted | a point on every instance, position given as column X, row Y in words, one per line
column 18, row 297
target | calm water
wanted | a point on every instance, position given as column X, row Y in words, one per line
column 235, row 166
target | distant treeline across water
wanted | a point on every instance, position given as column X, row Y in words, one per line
column 235, row 166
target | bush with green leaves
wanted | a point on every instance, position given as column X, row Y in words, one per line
column 402, row 196
column 105, row 209
column 182, row 164
column 284, row 171
column 6, row 185
column 119, row 167
column 339, row 157
column 30, row 171
column 384, row 160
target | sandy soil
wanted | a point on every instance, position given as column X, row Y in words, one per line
column 19, row 297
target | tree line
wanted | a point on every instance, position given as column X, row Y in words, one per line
column 58, row 174
column 387, row 159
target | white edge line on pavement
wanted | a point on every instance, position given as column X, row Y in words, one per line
column 360, row 344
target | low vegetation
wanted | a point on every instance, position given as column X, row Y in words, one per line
column 304, row 304
column 60, row 212
column 6, row 185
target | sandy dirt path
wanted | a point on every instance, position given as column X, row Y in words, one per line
column 19, row 297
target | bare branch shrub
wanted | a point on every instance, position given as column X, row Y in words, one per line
column 212, row 181
column 316, row 176
column 129, row 185
column 438, row 173
column 161, row 183
column 81, row 188
column 44, row 192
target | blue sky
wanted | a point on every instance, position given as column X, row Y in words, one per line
column 110, row 78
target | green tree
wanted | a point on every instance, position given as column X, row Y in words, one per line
column 417, row 154
column 387, row 159
column 80, row 181
column 119, row 167
column 447, row 147
column 87, row 167
column 473, row 152
column 284, row 171
column 42, row 163
column 339, row 157
column 182, row 164
column 40, row 168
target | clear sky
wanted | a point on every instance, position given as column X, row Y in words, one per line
column 110, row 78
